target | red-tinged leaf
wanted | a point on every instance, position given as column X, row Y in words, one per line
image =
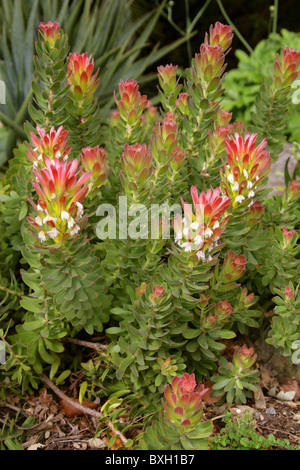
column 179, row 410
column 186, row 422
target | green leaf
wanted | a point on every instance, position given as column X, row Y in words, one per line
column 124, row 364
column 33, row 325
column 32, row 305
column 190, row 334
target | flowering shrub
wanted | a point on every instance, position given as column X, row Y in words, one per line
column 162, row 238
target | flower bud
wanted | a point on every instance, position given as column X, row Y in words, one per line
column 167, row 78
column 286, row 67
column 50, row 32
column 182, row 103
column 93, row 160
column 293, row 191
column 219, row 35
column 131, row 103
column 287, row 237
column 183, row 406
column 288, row 293
column 136, row 163
column 157, row 294
column 244, row 357
column 233, row 268
column 80, row 76
column 208, row 63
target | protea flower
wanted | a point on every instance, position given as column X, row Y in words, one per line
column 246, row 167
column 157, row 294
column 233, row 268
column 293, row 191
column 93, row 161
column 164, row 143
column 243, row 358
column 50, row 32
column 286, row 67
column 136, row 163
column 218, row 315
column 52, row 145
column 246, row 300
column 287, row 237
column 182, row 103
column 219, row 35
column 167, row 78
column 61, row 192
column 131, row 103
column 208, row 63
column 80, row 76
column 199, row 231
column 288, row 293
column 183, row 405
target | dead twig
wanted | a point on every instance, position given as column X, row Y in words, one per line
column 87, row 344
column 82, row 408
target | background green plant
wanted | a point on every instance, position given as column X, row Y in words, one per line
column 243, row 82
column 102, row 27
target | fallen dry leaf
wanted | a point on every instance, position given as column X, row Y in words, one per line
column 72, row 411
column 207, row 396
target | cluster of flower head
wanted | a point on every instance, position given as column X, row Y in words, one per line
column 246, row 167
column 61, row 191
column 183, row 405
column 199, row 232
column 52, row 145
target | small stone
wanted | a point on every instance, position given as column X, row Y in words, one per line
column 271, row 410
column 286, row 396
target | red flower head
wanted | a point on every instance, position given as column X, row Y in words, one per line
column 286, row 67
column 183, row 406
column 164, row 140
column 131, row 103
column 244, row 357
column 288, row 293
column 219, row 35
column 167, row 78
column 223, row 310
column 223, row 117
column 208, row 63
column 182, row 103
column 157, row 294
column 61, row 192
column 52, row 145
column 233, row 268
column 246, row 300
column 80, row 76
column 246, row 167
column 293, row 191
column 199, row 231
column 50, row 32
column 287, row 237
column 93, row 160
column 136, row 163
